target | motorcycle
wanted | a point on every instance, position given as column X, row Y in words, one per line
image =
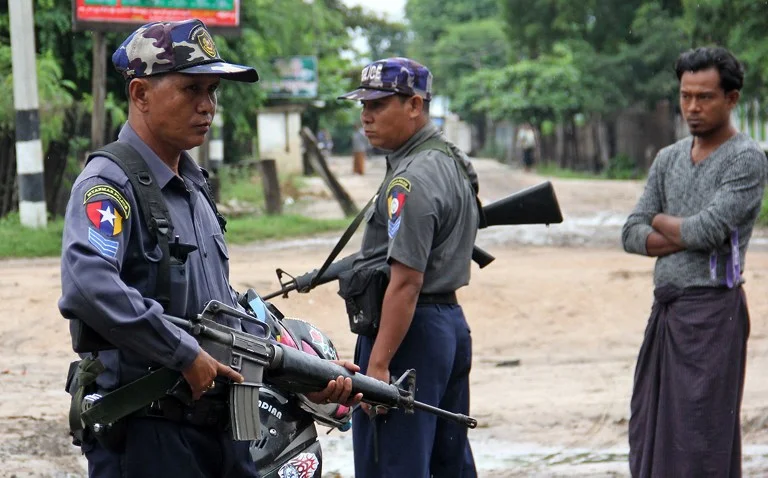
column 289, row 446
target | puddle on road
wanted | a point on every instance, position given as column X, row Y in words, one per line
column 596, row 230
column 505, row 459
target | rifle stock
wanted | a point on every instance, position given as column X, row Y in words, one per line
column 534, row 205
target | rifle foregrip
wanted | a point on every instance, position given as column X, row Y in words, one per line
column 300, row 372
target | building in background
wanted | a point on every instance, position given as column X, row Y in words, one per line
column 456, row 131
column 290, row 86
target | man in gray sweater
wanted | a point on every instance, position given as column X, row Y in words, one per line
column 696, row 216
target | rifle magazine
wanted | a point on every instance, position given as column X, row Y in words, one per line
column 244, row 412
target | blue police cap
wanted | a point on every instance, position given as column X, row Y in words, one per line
column 392, row 76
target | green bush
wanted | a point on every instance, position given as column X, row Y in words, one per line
column 622, row 166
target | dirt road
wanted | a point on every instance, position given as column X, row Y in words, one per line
column 556, row 321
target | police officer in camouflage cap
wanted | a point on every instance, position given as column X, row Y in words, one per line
column 423, row 226
column 111, row 264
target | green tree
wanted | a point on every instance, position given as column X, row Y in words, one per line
column 738, row 25
column 465, row 48
column 548, row 88
column 432, row 20
column 386, row 39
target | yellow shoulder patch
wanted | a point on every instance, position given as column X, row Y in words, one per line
column 399, row 181
column 110, row 192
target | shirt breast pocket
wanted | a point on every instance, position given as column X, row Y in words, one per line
column 221, row 245
column 219, row 262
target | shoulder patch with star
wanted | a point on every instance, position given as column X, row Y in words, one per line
column 103, row 190
column 397, row 193
column 105, row 217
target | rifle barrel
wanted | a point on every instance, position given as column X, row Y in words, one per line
column 468, row 422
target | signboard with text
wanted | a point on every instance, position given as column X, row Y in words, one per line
column 111, row 15
column 294, row 77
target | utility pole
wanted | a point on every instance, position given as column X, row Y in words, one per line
column 216, row 142
column 216, row 152
column 29, row 148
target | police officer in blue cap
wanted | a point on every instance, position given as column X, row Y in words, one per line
column 422, row 226
column 115, row 274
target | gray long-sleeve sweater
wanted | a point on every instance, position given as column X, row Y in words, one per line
column 719, row 194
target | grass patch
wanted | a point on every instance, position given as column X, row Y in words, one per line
column 620, row 166
column 244, row 185
column 762, row 219
column 243, row 230
column 558, row 172
column 19, row 241
column 554, row 171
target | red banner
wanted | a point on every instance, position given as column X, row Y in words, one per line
column 214, row 13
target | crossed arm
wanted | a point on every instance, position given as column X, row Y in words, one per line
column 647, row 230
column 737, row 198
column 665, row 237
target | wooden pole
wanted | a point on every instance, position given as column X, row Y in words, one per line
column 317, row 160
column 271, row 184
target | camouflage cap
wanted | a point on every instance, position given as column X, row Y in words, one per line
column 392, row 76
column 185, row 47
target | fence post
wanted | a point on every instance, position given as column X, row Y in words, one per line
column 268, row 169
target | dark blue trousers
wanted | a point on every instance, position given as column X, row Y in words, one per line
column 158, row 448
column 438, row 345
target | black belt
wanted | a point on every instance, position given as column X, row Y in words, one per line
column 205, row 412
column 444, row 298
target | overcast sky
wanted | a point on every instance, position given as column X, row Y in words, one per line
column 392, row 9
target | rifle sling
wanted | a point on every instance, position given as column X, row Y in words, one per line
column 343, row 240
column 432, row 143
column 131, row 397
column 439, row 144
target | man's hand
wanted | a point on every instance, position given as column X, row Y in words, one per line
column 338, row 390
column 669, row 227
column 657, row 245
column 200, row 375
column 379, row 372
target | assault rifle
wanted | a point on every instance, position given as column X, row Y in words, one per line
column 257, row 359
column 534, row 205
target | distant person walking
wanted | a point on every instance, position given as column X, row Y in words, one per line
column 360, row 147
column 526, row 141
column 325, row 142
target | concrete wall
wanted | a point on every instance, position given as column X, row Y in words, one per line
column 279, row 139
